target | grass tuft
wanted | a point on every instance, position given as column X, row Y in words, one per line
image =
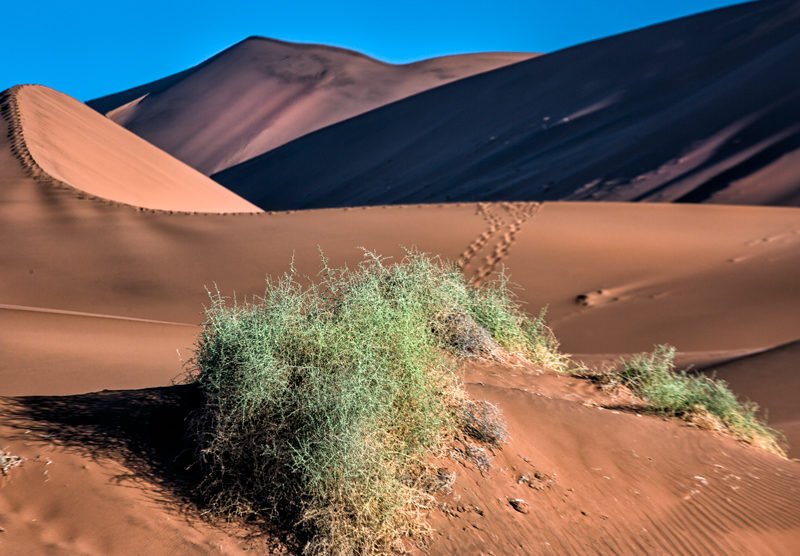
column 322, row 400
column 495, row 308
column 703, row 400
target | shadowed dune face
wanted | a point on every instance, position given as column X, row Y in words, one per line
column 69, row 145
column 260, row 94
column 701, row 109
column 772, row 380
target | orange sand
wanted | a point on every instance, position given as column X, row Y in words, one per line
column 100, row 302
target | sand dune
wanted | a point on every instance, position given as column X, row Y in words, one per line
column 96, row 296
column 594, row 484
column 617, row 278
column 701, row 109
column 65, row 352
column 262, row 93
column 62, row 142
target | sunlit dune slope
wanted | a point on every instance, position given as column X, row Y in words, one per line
column 67, row 144
column 106, row 467
column 262, row 93
column 600, row 481
column 700, row 109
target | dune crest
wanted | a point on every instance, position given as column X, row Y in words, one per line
column 61, row 142
column 262, row 93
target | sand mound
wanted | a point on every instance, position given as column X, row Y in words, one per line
column 586, row 475
column 262, row 93
column 701, row 109
column 62, row 142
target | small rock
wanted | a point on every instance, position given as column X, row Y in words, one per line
column 520, row 505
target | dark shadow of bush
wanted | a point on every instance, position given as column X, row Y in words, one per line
column 144, row 430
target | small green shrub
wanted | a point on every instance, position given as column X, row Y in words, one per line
column 324, row 401
column 653, row 378
column 495, row 308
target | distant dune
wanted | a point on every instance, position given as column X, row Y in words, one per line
column 262, row 93
column 61, row 141
column 700, row 109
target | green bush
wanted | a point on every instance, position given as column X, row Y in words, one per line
column 495, row 308
column 653, row 378
column 323, row 401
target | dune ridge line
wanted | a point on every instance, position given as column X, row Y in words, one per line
column 11, row 113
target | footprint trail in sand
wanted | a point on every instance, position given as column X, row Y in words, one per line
column 503, row 222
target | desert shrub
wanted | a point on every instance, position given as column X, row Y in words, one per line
column 461, row 333
column 495, row 307
column 652, row 376
column 483, row 421
column 324, row 400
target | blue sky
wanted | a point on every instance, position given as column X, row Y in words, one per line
column 91, row 48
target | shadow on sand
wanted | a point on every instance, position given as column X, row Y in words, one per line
column 146, row 431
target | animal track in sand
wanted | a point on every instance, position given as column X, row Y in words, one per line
column 627, row 292
column 787, row 236
column 493, row 221
column 597, row 297
column 505, row 219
